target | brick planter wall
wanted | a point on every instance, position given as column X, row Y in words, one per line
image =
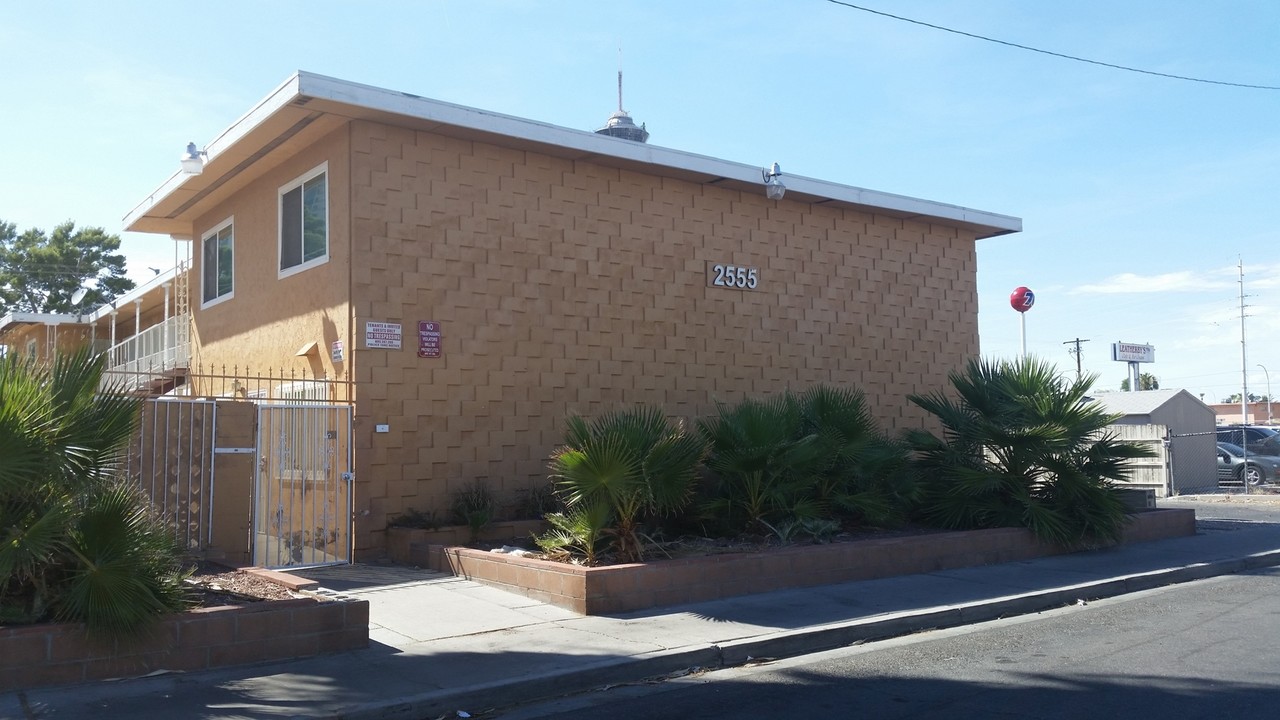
column 622, row 588
column 59, row 654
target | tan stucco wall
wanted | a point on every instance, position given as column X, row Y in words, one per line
column 269, row 318
column 566, row 287
column 67, row 338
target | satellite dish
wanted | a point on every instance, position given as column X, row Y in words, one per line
column 78, row 295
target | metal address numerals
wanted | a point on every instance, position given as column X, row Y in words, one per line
column 734, row 276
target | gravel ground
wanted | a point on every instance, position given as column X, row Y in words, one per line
column 213, row 585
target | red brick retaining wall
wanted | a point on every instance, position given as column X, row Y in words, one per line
column 59, row 654
column 621, row 588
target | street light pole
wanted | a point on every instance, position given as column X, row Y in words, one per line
column 1268, row 376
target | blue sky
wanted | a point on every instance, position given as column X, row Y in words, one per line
column 1140, row 195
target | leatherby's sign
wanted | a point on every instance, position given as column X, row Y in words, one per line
column 1131, row 352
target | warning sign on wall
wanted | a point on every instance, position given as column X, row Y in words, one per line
column 382, row 335
column 428, row 339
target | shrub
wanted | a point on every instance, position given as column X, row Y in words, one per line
column 1022, row 447
column 762, row 462
column 790, row 458
column 76, row 544
column 622, row 468
column 474, row 506
column 416, row 519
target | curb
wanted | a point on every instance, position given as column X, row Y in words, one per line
column 788, row 643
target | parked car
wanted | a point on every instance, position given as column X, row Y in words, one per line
column 1262, row 440
column 1261, row 470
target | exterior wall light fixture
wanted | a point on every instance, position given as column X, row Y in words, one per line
column 773, row 187
column 193, row 160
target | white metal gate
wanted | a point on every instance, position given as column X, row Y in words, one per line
column 302, row 489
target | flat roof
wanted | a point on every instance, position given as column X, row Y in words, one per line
column 14, row 319
column 307, row 106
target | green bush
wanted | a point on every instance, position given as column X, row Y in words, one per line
column 76, row 544
column 620, row 469
column 474, row 506
column 1022, row 447
column 790, row 458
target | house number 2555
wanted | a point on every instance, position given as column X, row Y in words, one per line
column 733, row 276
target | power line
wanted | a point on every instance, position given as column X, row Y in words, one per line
column 1054, row 54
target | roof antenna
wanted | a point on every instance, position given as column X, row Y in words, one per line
column 620, row 80
column 620, row 124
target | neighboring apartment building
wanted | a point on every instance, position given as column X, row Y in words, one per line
column 478, row 278
column 145, row 334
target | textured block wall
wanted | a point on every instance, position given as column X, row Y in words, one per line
column 569, row 287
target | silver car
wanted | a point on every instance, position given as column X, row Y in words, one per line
column 1262, row 469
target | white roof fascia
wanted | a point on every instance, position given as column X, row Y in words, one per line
column 26, row 318
column 373, row 98
column 305, row 84
column 286, row 93
column 135, row 294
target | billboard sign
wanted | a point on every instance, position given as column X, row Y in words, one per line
column 1131, row 352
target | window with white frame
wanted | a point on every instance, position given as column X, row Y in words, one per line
column 304, row 222
column 217, row 273
column 31, row 349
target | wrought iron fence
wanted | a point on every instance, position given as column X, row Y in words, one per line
column 232, row 382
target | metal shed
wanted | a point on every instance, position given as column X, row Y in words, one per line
column 1182, row 429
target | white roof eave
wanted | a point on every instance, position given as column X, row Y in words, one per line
column 350, row 99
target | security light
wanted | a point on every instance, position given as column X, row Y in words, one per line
column 193, row 160
column 773, row 187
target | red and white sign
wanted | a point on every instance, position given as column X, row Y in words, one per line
column 1021, row 299
column 428, row 339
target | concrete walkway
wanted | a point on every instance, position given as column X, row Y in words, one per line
column 440, row 644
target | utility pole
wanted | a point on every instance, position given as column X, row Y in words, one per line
column 1264, row 371
column 1076, row 352
column 1244, row 389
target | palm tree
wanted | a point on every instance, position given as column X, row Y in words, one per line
column 1146, row 381
column 764, row 464
column 616, row 471
column 865, row 475
column 792, row 458
column 75, row 543
column 1021, row 446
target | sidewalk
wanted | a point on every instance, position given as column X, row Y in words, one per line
column 441, row 644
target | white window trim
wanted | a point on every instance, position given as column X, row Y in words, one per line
column 300, row 390
column 321, row 169
column 229, row 222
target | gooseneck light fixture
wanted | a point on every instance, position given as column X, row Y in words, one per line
column 773, row 187
column 193, row 160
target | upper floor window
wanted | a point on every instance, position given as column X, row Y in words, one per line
column 217, row 272
column 304, row 222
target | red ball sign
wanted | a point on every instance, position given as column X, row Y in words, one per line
column 1022, row 299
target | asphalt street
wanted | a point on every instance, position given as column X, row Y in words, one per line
column 1198, row 650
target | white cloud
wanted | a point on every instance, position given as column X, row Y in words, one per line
column 1255, row 276
column 1130, row 283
